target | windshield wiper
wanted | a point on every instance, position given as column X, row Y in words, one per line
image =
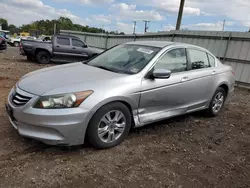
column 106, row 68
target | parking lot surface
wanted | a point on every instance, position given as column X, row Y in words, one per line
column 187, row 151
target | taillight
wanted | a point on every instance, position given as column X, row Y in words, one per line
column 20, row 45
column 233, row 73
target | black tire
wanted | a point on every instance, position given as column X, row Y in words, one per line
column 211, row 111
column 92, row 131
column 30, row 58
column 43, row 57
column 16, row 44
column 94, row 55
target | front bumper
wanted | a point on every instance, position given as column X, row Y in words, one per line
column 51, row 126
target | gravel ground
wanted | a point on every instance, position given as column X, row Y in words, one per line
column 188, row 151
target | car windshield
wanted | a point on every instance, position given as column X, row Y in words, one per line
column 128, row 59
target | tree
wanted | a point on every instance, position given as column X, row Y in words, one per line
column 46, row 27
column 4, row 23
column 13, row 29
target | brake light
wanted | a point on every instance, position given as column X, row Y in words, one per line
column 233, row 73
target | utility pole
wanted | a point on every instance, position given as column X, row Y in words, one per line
column 146, row 26
column 223, row 26
column 178, row 24
column 54, row 28
column 134, row 27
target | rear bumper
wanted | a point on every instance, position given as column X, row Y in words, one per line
column 27, row 52
column 51, row 126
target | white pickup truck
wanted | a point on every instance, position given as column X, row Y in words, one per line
column 16, row 41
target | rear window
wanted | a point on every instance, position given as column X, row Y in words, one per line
column 198, row 59
column 211, row 60
column 63, row 41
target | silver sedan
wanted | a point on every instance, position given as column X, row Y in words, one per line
column 130, row 85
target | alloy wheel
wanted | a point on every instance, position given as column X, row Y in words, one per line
column 111, row 126
column 218, row 102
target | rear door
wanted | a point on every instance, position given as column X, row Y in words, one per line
column 201, row 79
column 79, row 49
column 62, row 47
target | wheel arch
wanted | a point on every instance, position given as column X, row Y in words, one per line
column 126, row 101
column 225, row 86
column 40, row 50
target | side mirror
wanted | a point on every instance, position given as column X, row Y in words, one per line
column 84, row 46
column 161, row 73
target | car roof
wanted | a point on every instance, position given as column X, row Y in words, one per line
column 66, row 35
column 162, row 44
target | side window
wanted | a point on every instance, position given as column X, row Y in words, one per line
column 63, row 41
column 211, row 60
column 198, row 59
column 174, row 60
column 77, row 43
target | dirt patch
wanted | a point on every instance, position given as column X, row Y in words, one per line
column 188, row 151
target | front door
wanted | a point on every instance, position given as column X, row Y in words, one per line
column 162, row 98
column 79, row 49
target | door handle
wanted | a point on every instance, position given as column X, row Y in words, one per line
column 184, row 79
column 213, row 72
column 58, row 46
column 74, row 48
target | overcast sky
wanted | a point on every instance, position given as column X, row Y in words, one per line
column 119, row 15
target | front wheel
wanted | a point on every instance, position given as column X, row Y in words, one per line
column 43, row 57
column 109, row 126
column 217, row 102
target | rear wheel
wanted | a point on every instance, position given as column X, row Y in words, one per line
column 43, row 57
column 16, row 44
column 217, row 102
column 109, row 126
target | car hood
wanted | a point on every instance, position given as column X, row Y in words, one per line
column 63, row 77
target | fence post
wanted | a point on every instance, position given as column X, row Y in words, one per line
column 134, row 37
column 106, row 41
column 173, row 36
column 85, row 37
column 229, row 38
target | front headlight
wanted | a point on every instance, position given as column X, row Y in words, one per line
column 62, row 101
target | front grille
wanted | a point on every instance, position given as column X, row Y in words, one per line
column 19, row 99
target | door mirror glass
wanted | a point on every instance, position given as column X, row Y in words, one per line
column 161, row 73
